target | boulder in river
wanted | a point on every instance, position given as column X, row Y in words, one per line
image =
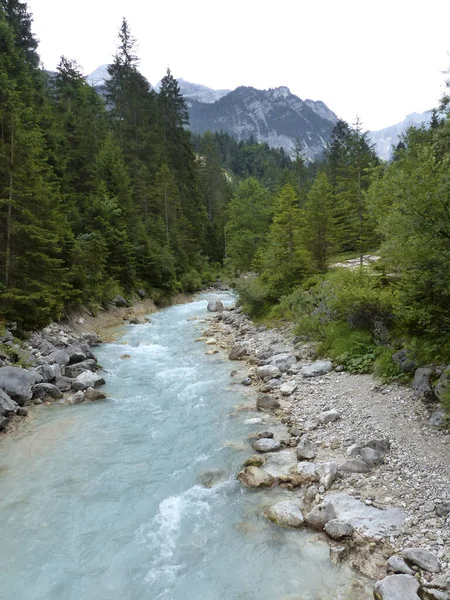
column 327, row 472
column 254, row 477
column 87, row 379
column 266, row 445
column 17, row 383
column 286, row 514
column 257, row 460
column 73, row 371
column 91, row 394
column 397, row 587
column 215, row 305
column 307, row 473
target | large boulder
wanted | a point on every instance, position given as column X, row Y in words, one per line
column 320, row 515
column 18, row 383
column 86, row 380
column 397, row 587
column 44, row 390
column 77, row 354
column 254, row 477
column 267, row 403
column 320, row 367
column 59, row 357
column 371, row 457
column 421, row 384
column 73, row 371
column 47, row 372
column 7, row 406
column 215, row 305
column 283, row 361
column 422, row 559
column 286, row 514
column 237, row 352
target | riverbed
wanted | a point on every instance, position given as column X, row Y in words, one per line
column 136, row 497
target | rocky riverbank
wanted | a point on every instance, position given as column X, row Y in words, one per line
column 362, row 463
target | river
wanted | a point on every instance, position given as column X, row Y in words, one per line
column 104, row 501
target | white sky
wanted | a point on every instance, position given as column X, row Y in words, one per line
column 379, row 59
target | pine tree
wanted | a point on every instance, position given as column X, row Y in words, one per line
column 249, row 215
column 321, row 220
column 285, row 260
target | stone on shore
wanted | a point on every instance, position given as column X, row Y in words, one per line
column 45, row 390
column 7, row 406
column 288, row 388
column 318, row 368
column 338, row 530
column 269, row 371
column 397, row 565
column 283, row 361
column 74, row 370
column 371, row 457
column 286, row 514
column 237, row 352
column 354, row 465
column 307, row 473
column 305, row 449
column 267, row 403
column 215, row 305
column 266, row 445
column 254, row 477
column 422, row 559
column 87, row 379
column 397, row 587
column 257, row 460
column 329, row 416
column 319, row 516
column 327, row 473
column 18, row 383
column 59, row 357
column 421, row 384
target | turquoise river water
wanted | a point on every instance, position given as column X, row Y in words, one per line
column 104, row 501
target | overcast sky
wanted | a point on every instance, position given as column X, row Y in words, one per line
column 379, row 59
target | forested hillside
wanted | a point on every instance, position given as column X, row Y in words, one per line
column 100, row 196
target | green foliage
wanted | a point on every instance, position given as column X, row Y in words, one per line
column 285, row 261
column 385, row 368
column 255, row 297
column 249, row 213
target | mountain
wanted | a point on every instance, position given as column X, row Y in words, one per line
column 98, row 77
column 275, row 116
column 201, row 93
column 385, row 139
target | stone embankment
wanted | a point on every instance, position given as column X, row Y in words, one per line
column 359, row 460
